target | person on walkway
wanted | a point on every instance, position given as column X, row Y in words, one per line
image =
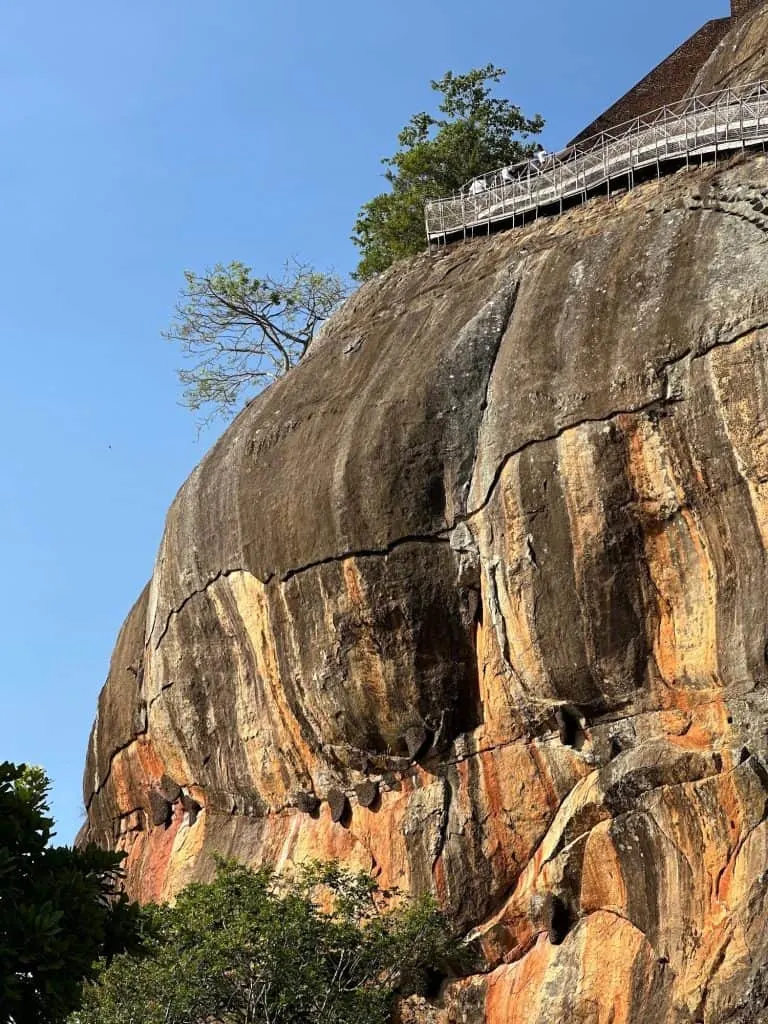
column 540, row 157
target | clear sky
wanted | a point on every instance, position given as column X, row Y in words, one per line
column 141, row 138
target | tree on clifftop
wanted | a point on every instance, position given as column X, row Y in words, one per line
column 477, row 133
column 239, row 332
column 59, row 908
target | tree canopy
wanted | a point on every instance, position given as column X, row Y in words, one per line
column 254, row 947
column 59, row 908
column 238, row 332
column 476, row 133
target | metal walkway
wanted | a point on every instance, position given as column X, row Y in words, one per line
column 695, row 128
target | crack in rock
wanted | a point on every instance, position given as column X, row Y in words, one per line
column 671, row 395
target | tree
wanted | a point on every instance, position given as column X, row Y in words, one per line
column 239, row 332
column 251, row 947
column 476, row 134
column 59, row 908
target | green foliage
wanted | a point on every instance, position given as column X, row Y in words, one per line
column 59, row 908
column 239, row 332
column 476, row 134
column 252, row 947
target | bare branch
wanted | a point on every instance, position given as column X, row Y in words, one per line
column 238, row 333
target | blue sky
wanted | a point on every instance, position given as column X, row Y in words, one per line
column 142, row 138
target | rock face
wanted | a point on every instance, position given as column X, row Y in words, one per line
column 477, row 599
column 741, row 58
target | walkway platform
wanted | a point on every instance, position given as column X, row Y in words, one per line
column 695, row 129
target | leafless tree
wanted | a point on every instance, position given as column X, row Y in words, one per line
column 238, row 332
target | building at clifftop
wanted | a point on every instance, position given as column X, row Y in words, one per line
column 670, row 80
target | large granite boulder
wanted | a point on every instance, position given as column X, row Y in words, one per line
column 477, row 598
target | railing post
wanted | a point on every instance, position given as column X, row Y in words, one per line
column 656, row 150
column 727, row 118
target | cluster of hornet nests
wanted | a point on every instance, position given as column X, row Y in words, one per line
column 418, row 739
column 162, row 799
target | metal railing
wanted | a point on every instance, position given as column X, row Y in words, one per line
column 719, row 121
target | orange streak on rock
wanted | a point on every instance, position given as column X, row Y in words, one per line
column 134, row 770
column 149, row 861
column 545, row 776
column 707, row 727
column 674, row 722
column 610, row 946
column 266, row 731
column 188, row 843
column 381, row 834
column 679, row 565
column 602, row 883
column 514, row 590
column 306, row 839
column 514, row 993
column 492, row 678
column 367, row 666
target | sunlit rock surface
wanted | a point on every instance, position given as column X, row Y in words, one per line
column 741, row 58
column 477, row 599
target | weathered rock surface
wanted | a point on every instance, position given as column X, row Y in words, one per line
column 741, row 58
column 477, row 599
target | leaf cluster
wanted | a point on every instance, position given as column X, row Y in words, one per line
column 475, row 132
column 238, row 332
column 60, row 908
column 254, row 947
